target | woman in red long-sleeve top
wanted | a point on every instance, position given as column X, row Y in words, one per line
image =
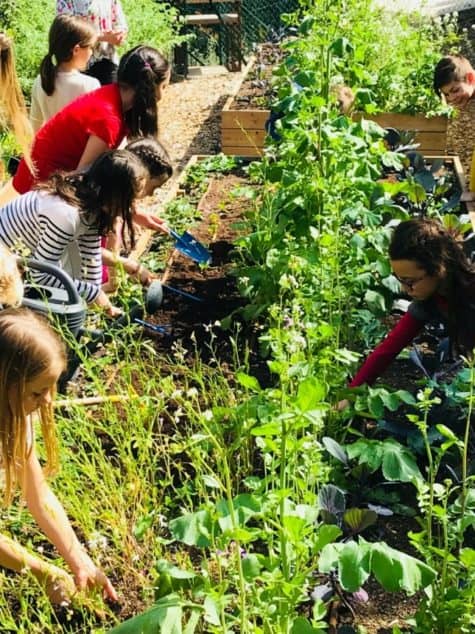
column 433, row 269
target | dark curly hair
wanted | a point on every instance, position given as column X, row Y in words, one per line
column 105, row 192
column 439, row 252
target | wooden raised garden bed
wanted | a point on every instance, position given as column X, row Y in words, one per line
column 430, row 132
column 243, row 129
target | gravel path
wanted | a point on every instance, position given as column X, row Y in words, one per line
column 461, row 136
column 190, row 112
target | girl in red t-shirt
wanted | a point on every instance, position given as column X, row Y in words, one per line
column 99, row 121
column 433, row 269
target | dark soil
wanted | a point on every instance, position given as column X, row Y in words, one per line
column 197, row 324
column 257, row 90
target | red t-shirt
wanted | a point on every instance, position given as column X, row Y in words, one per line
column 60, row 143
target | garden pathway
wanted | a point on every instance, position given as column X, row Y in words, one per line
column 190, row 112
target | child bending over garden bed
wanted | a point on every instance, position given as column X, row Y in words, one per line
column 430, row 264
column 31, row 362
column 73, row 212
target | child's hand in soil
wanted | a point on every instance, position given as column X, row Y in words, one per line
column 59, row 586
column 88, row 576
column 102, row 301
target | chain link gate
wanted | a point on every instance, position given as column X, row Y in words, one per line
column 259, row 20
column 262, row 17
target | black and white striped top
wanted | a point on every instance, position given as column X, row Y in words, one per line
column 42, row 226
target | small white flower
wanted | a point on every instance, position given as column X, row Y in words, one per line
column 97, row 542
column 208, row 415
column 192, row 392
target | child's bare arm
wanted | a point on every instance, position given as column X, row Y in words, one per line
column 53, row 521
column 57, row 583
column 94, row 148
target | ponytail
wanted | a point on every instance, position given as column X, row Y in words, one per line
column 143, row 69
column 48, row 73
column 66, row 32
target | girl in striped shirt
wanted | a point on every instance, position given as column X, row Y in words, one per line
column 76, row 211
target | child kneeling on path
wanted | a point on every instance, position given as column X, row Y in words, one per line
column 31, row 362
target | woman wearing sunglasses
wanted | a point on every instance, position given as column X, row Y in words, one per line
column 433, row 270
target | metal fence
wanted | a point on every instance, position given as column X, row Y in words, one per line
column 260, row 18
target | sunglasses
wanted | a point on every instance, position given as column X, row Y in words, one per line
column 409, row 282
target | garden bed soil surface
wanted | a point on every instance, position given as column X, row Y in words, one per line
column 256, row 90
column 192, row 327
column 196, row 328
column 197, row 325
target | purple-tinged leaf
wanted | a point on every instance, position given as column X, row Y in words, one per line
column 360, row 595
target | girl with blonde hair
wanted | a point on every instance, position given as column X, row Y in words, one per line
column 31, row 362
column 13, row 113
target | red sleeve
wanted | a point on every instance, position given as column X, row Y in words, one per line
column 23, row 180
column 109, row 129
column 400, row 336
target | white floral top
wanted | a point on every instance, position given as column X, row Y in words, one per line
column 105, row 15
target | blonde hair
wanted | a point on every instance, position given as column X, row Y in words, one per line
column 11, row 286
column 12, row 104
column 29, row 347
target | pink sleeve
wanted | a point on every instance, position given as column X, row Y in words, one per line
column 400, row 336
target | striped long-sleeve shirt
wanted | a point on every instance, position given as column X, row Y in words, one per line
column 43, row 226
